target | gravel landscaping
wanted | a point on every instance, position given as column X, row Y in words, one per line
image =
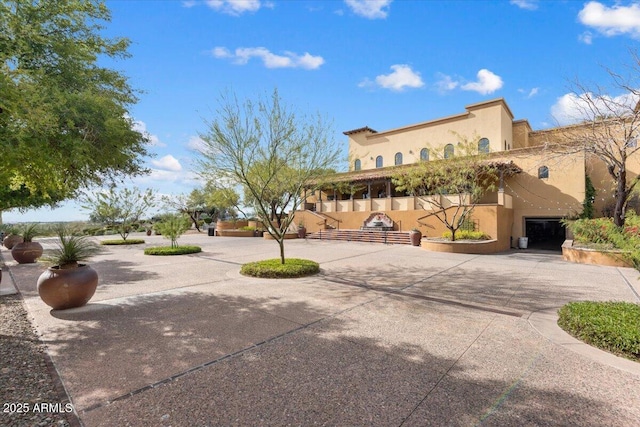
column 31, row 396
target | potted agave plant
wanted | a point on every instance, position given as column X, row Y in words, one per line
column 11, row 238
column 27, row 251
column 68, row 283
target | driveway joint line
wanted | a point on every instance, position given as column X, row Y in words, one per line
column 224, row 357
column 444, row 375
column 400, row 292
column 633, row 290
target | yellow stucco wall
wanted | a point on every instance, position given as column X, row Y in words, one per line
column 559, row 196
column 493, row 220
column 491, row 119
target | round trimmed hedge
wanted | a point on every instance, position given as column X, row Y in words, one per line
column 274, row 269
column 122, row 242
column 168, row 250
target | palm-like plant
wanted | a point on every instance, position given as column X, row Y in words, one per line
column 29, row 231
column 72, row 249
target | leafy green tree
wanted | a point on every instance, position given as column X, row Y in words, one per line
column 172, row 226
column 192, row 205
column 209, row 200
column 119, row 208
column 450, row 187
column 271, row 152
column 222, row 202
column 64, row 118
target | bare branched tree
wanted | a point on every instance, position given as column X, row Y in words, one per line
column 271, row 152
column 451, row 187
column 606, row 128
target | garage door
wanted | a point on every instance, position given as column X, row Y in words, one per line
column 545, row 233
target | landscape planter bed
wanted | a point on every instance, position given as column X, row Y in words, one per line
column 236, row 233
column 582, row 255
column 286, row 236
column 462, row 246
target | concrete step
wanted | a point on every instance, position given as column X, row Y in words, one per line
column 389, row 237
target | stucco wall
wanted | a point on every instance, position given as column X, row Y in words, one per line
column 490, row 120
column 560, row 195
column 493, row 220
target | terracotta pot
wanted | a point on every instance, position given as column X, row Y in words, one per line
column 67, row 288
column 26, row 252
column 416, row 237
column 11, row 240
column 302, row 232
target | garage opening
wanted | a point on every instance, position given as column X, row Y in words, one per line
column 545, row 233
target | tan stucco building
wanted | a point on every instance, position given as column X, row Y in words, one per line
column 527, row 204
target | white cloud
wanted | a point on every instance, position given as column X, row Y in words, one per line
column 188, row 3
column 196, row 143
column 487, row 83
column 446, row 83
column 612, row 21
column 141, row 127
column 168, row 163
column 586, row 37
column 371, row 9
column 237, row 7
column 525, row 4
column 242, row 55
column 571, row 108
column 401, row 78
column 531, row 93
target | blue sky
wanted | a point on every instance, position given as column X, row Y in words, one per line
column 378, row 63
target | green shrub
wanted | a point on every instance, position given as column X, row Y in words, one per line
column 611, row 326
column 247, row 228
column 467, row 235
column 273, row 268
column 603, row 234
column 122, row 242
column 168, row 250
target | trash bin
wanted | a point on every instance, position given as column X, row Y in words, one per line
column 523, row 242
column 212, row 231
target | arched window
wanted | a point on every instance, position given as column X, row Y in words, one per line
column 357, row 165
column 483, row 145
column 448, row 151
column 424, row 154
column 398, row 159
column 379, row 161
column 543, row 172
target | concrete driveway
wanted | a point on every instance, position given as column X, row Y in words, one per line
column 384, row 336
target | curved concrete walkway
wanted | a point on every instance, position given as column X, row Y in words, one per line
column 385, row 335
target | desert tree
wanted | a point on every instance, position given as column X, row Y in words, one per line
column 605, row 124
column 211, row 200
column 119, row 208
column 172, row 226
column 192, row 205
column 269, row 150
column 452, row 187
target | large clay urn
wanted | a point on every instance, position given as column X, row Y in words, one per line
column 11, row 240
column 67, row 288
column 26, row 252
column 416, row 237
